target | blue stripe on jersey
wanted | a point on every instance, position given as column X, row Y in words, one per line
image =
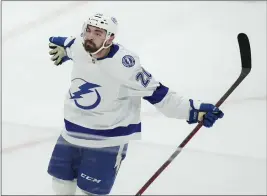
column 118, row 131
column 158, row 94
column 114, row 48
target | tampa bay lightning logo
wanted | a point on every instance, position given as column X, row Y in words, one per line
column 128, row 61
column 85, row 93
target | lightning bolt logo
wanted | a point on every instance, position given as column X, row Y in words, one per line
column 85, row 89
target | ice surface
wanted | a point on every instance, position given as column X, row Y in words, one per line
column 190, row 46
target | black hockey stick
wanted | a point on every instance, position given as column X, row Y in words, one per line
column 245, row 53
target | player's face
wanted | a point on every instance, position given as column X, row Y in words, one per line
column 94, row 38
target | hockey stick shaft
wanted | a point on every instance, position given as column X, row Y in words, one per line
column 246, row 67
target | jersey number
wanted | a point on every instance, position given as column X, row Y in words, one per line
column 144, row 77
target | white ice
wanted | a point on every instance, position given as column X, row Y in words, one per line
column 190, row 46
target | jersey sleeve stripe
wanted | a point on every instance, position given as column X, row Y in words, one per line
column 157, row 95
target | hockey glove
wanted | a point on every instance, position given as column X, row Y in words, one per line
column 59, row 46
column 205, row 112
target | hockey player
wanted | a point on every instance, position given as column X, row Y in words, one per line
column 102, row 107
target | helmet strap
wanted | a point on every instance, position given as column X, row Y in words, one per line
column 103, row 46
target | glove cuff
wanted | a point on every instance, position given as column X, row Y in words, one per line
column 69, row 41
column 65, row 42
column 68, row 52
column 193, row 113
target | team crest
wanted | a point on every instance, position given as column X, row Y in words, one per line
column 128, row 61
column 84, row 94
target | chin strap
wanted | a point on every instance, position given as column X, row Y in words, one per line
column 102, row 47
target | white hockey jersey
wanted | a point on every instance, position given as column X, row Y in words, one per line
column 103, row 105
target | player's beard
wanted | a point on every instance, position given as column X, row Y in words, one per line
column 90, row 46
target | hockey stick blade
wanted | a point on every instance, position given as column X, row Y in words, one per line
column 245, row 53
